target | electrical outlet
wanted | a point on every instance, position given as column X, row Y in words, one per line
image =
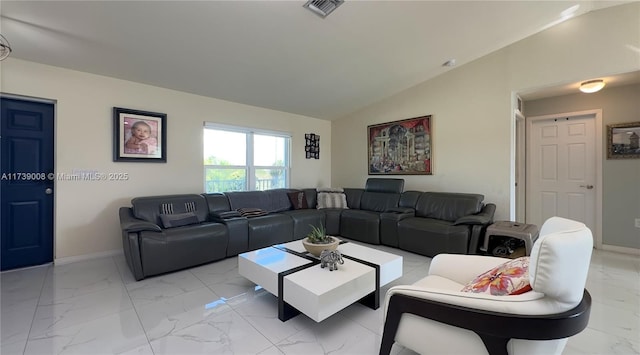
column 637, row 222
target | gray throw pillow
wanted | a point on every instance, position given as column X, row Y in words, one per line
column 178, row 219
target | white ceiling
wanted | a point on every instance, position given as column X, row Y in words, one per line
column 274, row 54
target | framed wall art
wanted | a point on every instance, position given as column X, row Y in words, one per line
column 400, row 147
column 139, row 136
column 623, row 141
column 312, row 146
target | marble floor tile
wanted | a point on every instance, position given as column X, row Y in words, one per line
column 335, row 335
column 171, row 314
column 615, row 321
column 164, row 286
column 262, row 314
column 227, row 333
column 68, row 312
column 271, row 351
column 617, row 296
column 15, row 321
column 222, row 278
column 141, row 350
column 20, row 285
column 366, row 317
column 114, row 334
column 123, row 268
column 13, row 348
column 81, row 278
column 592, row 341
column 217, row 272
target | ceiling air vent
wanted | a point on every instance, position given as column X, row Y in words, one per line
column 323, row 8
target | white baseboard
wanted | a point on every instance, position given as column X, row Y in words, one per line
column 624, row 250
column 84, row 257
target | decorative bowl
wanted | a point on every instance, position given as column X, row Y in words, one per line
column 316, row 249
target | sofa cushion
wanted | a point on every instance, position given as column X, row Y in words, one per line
column 378, row 201
column 178, row 219
column 448, row 206
column 510, row 278
column 298, row 200
column 428, row 236
column 248, row 199
column 278, row 200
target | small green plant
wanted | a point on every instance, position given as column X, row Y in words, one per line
column 318, row 235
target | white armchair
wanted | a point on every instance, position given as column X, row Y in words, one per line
column 433, row 316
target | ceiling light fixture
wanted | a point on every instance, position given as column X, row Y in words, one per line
column 322, row 8
column 5, row 48
column 592, row 86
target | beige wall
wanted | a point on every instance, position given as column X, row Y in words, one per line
column 472, row 109
column 620, row 177
column 86, row 220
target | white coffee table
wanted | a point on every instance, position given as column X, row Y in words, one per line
column 295, row 277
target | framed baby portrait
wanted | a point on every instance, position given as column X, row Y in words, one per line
column 139, row 136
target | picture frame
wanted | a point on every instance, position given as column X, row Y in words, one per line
column 403, row 147
column 139, row 136
column 312, row 146
column 623, row 141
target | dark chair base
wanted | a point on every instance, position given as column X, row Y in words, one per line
column 495, row 329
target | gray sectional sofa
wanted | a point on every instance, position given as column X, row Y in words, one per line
column 161, row 234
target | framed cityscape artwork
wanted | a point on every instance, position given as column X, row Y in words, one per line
column 623, row 141
column 400, row 147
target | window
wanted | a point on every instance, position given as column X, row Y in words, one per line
column 238, row 159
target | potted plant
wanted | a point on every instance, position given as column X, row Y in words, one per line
column 318, row 240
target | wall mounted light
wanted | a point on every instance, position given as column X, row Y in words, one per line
column 592, row 86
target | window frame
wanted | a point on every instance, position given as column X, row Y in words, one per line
column 249, row 167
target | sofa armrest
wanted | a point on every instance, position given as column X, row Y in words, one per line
column 495, row 328
column 131, row 242
column 131, row 224
column 479, row 223
column 462, row 268
column 484, row 217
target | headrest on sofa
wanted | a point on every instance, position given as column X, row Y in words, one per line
column 394, row 186
column 151, row 207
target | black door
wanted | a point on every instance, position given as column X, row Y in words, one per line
column 26, row 189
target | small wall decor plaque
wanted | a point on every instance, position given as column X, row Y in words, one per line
column 312, row 146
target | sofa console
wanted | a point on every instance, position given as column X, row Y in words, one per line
column 161, row 234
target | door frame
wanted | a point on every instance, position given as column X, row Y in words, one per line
column 597, row 113
column 55, row 161
column 520, row 171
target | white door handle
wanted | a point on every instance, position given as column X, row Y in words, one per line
column 588, row 187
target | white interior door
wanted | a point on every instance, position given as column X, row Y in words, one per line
column 561, row 169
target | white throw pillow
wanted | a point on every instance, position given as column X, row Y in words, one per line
column 335, row 198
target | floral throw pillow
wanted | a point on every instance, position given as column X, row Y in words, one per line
column 510, row 278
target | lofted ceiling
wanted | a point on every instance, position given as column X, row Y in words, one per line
column 274, row 54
